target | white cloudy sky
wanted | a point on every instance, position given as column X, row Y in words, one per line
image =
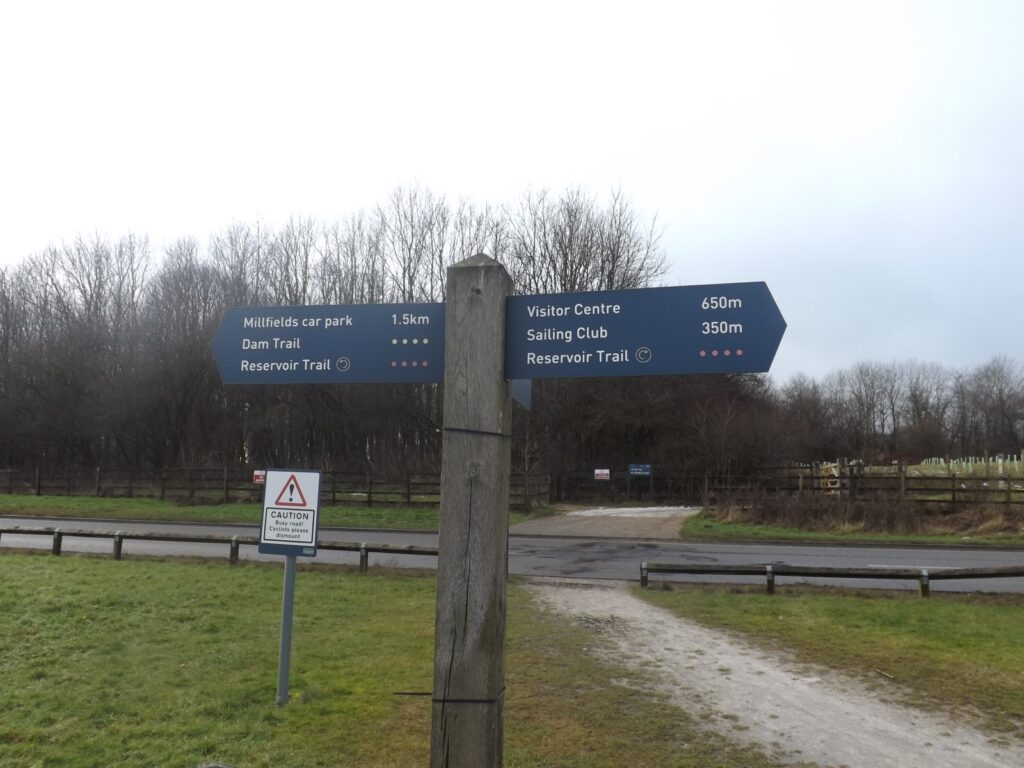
column 864, row 158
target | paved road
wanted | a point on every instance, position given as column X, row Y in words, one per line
column 540, row 556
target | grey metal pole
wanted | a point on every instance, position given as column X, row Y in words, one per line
column 284, row 657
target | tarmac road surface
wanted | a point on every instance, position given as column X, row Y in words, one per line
column 557, row 556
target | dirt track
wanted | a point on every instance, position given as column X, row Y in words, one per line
column 792, row 713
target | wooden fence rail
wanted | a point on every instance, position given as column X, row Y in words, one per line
column 234, row 542
column 950, row 492
column 922, row 575
column 227, row 485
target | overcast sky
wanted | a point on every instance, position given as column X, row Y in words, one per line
column 866, row 159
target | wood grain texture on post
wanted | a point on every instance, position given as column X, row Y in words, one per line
column 466, row 728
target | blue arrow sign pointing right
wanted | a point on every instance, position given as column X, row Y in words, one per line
column 726, row 328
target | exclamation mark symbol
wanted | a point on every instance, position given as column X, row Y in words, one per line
column 291, row 493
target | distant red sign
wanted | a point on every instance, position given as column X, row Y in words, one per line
column 259, row 476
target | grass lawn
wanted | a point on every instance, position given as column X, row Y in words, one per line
column 153, row 509
column 173, row 663
column 961, row 650
column 705, row 526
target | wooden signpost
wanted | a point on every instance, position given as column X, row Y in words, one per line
column 490, row 337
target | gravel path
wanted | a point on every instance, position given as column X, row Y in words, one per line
column 611, row 522
column 792, row 713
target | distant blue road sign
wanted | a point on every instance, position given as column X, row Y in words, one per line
column 640, row 470
column 727, row 328
column 331, row 344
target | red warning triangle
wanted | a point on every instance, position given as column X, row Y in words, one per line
column 291, row 494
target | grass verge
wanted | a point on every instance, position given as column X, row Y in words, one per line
column 420, row 518
column 956, row 651
column 704, row 525
column 140, row 663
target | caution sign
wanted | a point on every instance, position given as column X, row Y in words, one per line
column 291, row 506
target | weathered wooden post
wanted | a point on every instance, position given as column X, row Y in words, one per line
column 469, row 630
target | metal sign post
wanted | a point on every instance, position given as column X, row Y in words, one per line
column 290, row 524
column 284, row 655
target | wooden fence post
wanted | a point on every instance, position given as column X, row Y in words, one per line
column 769, row 575
column 39, row 482
column 472, row 565
column 227, row 486
column 369, row 488
column 58, row 539
column 99, row 489
column 118, row 543
column 408, row 488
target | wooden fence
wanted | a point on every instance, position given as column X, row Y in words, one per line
column 936, row 493
column 227, row 485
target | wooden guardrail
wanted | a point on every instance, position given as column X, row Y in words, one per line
column 923, row 576
column 234, row 542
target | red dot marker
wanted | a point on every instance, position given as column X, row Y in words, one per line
column 727, row 353
column 714, row 353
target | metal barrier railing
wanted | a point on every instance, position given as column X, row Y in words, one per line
column 234, row 542
column 923, row 576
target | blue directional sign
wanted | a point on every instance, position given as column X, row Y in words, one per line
column 331, row 344
column 640, row 470
column 726, row 328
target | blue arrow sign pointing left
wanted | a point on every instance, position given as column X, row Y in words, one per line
column 331, row 344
